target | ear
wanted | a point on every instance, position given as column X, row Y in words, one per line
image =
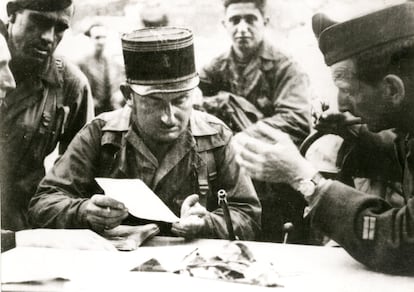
column 12, row 9
column 223, row 23
column 126, row 92
column 394, row 89
column 12, row 17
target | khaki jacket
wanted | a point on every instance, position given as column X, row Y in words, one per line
column 109, row 147
column 40, row 113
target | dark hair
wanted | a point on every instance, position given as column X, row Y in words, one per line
column 88, row 31
column 260, row 4
column 392, row 58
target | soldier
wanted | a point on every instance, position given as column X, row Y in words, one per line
column 372, row 60
column 260, row 78
column 50, row 104
column 159, row 139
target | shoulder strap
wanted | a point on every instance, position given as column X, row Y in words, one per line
column 207, row 178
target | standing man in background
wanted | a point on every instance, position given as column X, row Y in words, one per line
column 271, row 83
column 98, row 69
column 50, row 104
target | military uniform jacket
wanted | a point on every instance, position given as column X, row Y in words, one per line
column 271, row 81
column 40, row 113
column 109, row 147
column 373, row 231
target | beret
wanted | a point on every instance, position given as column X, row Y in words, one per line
column 160, row 59
column 38, row 5
column 340, row 41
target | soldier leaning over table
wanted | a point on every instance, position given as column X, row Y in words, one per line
column 269, row 81
column 50, row 104
column 372, row 60
column 183, row 155
column 80, row 239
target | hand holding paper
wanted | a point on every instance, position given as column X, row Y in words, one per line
column 138, row 198
column 103, row 212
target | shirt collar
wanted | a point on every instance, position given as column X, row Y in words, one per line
column 51, row 75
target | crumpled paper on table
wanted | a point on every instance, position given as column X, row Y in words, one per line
column 232, row 262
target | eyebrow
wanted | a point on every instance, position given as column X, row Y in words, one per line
column 41, row 17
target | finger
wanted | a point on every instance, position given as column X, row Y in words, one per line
column 196, row 210
column 249, row 156
column 104, row 223
column 107, row 212
column 191, row 200
column 105, row 201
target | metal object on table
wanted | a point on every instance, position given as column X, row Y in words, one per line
column 222, row 201
column 287, row 228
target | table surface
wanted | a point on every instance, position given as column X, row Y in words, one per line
column 301, row 268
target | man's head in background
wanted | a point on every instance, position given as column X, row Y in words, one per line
column 35, row 29
column 7, row 82
column 98, row 33
column 372, row 64
column 245, row 22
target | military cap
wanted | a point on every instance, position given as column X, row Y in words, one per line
column 340, row 41
column 159, row 59
column 38, row 5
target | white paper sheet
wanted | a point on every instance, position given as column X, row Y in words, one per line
column 138, row 198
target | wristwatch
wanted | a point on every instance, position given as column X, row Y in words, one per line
column 307, row 186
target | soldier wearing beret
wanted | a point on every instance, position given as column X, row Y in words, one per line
column 372, row 60
column 274, row 85
column 183, row 155
column 48, row 106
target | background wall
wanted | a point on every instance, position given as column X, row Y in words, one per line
column 289, row 28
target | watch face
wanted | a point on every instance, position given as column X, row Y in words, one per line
column 306, row 187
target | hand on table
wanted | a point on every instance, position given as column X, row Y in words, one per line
column 192, row 221
column 63, row 238
column 103, row 212
column 276, row 160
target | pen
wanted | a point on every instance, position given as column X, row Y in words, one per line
column 222, row 200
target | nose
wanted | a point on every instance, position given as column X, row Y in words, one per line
column 167, row 116
column 344, row 103
column 48, row 34
column 7, row 82
column 242, row 27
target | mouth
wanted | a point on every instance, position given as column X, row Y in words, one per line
column 41, row 52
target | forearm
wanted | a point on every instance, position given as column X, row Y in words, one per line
column 244, row 218
column 387, row 243
column 57, row 210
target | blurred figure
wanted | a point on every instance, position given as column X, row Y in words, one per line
column 153, row 14
column 98, row 68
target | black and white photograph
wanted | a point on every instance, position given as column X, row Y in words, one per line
column 201, row 145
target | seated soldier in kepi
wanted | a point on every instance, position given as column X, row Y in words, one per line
column 158, row 138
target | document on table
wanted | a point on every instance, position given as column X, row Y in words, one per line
column 140, row 200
